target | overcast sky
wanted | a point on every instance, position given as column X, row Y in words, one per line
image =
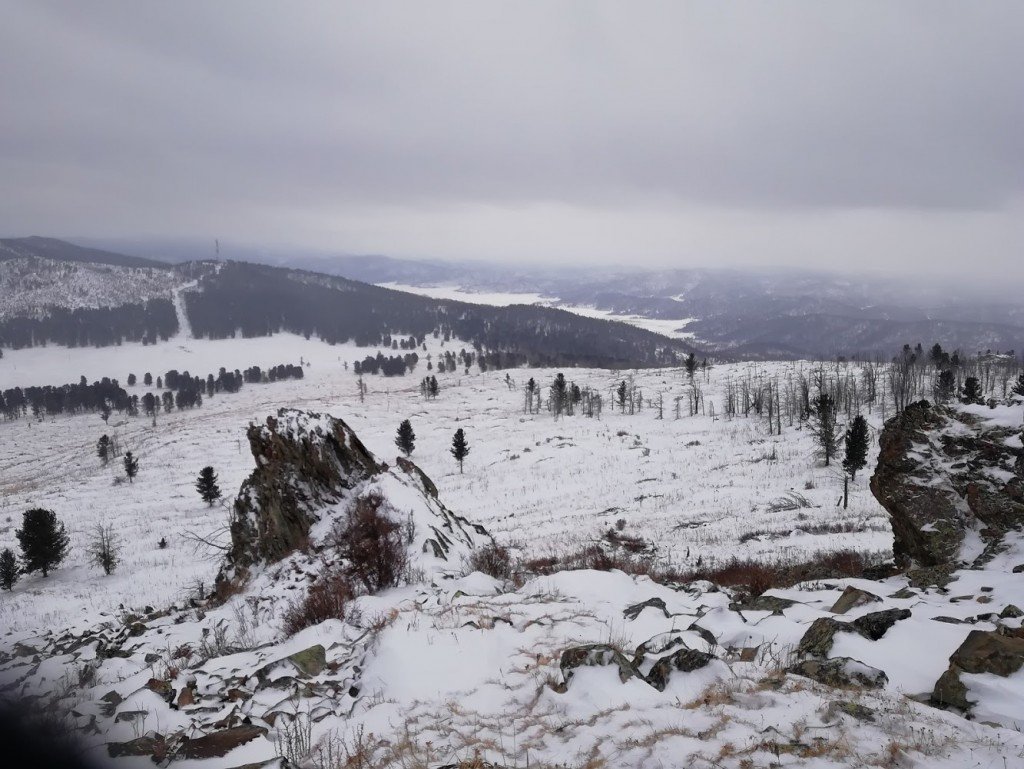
column 855, row 134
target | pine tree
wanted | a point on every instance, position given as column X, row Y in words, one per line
column 459, row 449
column 131, row 466
column 856, row 441
column 43, row 540
column 206, row 485
column 9, row 571
column 1018, row 387
column 559, row 388
column 433, row 387
column 103, row 448
column 622, row 395
column 691, row 365
column 406, row 438
column 824, row 426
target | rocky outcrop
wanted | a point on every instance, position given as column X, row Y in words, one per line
column 817, row 640
column 841, row 672
column 941, row 472
column 304, row 461
column 310, row 466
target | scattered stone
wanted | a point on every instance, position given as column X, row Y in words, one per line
column 220, row 743
column 852, row 709
column 705, row 634
column 904, row 593
column 1019, row 568
column 876, row 624
column 841, row 672
column 774, row 604
column 1011, row 612
column 594, row 655
column 147, row 745
column 310, row 662
column 632, row 612
column 683, row 661
column 817, row 641
column 851, row 598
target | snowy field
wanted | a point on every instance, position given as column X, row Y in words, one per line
column 700, row 488
column 674, row 329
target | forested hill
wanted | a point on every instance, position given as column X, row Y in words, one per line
column 256, row 300
column 62, row 251
column 51, row 293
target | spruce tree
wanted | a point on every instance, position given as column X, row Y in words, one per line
column 131, row 466
column 622, row 395
column 856, row 446
column 945, row 385
column 406, row 438
column 8, row 569
column 43, row 540
column 103, row 448
column 459, row 449
column 972, row 390
column 824, row 426
column 207, row 486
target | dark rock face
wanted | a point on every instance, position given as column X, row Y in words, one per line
column 220, row 743
column 876, row 624
column 303, row 462
column 983, row 651
column 939, row 471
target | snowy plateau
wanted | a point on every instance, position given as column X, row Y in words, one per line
column 454, row 668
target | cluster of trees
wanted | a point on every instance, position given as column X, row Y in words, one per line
column 278, row 373
column 102, row 396
column 393, row 365
column 429, row 387
column 146, row 322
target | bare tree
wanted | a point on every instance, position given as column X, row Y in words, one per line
column 104, row 548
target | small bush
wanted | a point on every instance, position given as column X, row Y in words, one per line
column 326, row 599
column 493, row 560
column 372, row 546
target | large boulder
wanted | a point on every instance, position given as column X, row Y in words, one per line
column 942, row 471
column 983, row 651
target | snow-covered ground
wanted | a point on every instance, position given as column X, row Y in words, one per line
column 670, row 328
column 698, row 487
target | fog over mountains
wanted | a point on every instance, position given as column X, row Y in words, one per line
column 726, row 312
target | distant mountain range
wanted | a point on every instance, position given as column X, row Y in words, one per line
column 52, row 290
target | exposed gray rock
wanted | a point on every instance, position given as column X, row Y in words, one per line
column 683, row 661
column 841, row 672
column 877, row 623
column 851, row 598
column 932, row 480
column 594, row 655
column 983, row 651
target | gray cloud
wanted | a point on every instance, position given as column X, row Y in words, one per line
column 670, row 132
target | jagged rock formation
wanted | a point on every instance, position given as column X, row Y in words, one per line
column 941, row 473
column 311, row 467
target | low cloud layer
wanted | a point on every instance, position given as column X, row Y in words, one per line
column 872, row 134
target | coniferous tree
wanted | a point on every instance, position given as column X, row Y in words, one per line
column 972, row 390
column 406, row 438
column 103, row 448
column 559, row 390
column 105, row 412
column 131, row 380
column 691, row 365
column 460, row 448
column 207, row 486
column 131, row 466
column 434, row 389
column 622, row 395
column 824, row 426
column 945, row 386
column 9, row 571
column 43, row 541
column 856, row 441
